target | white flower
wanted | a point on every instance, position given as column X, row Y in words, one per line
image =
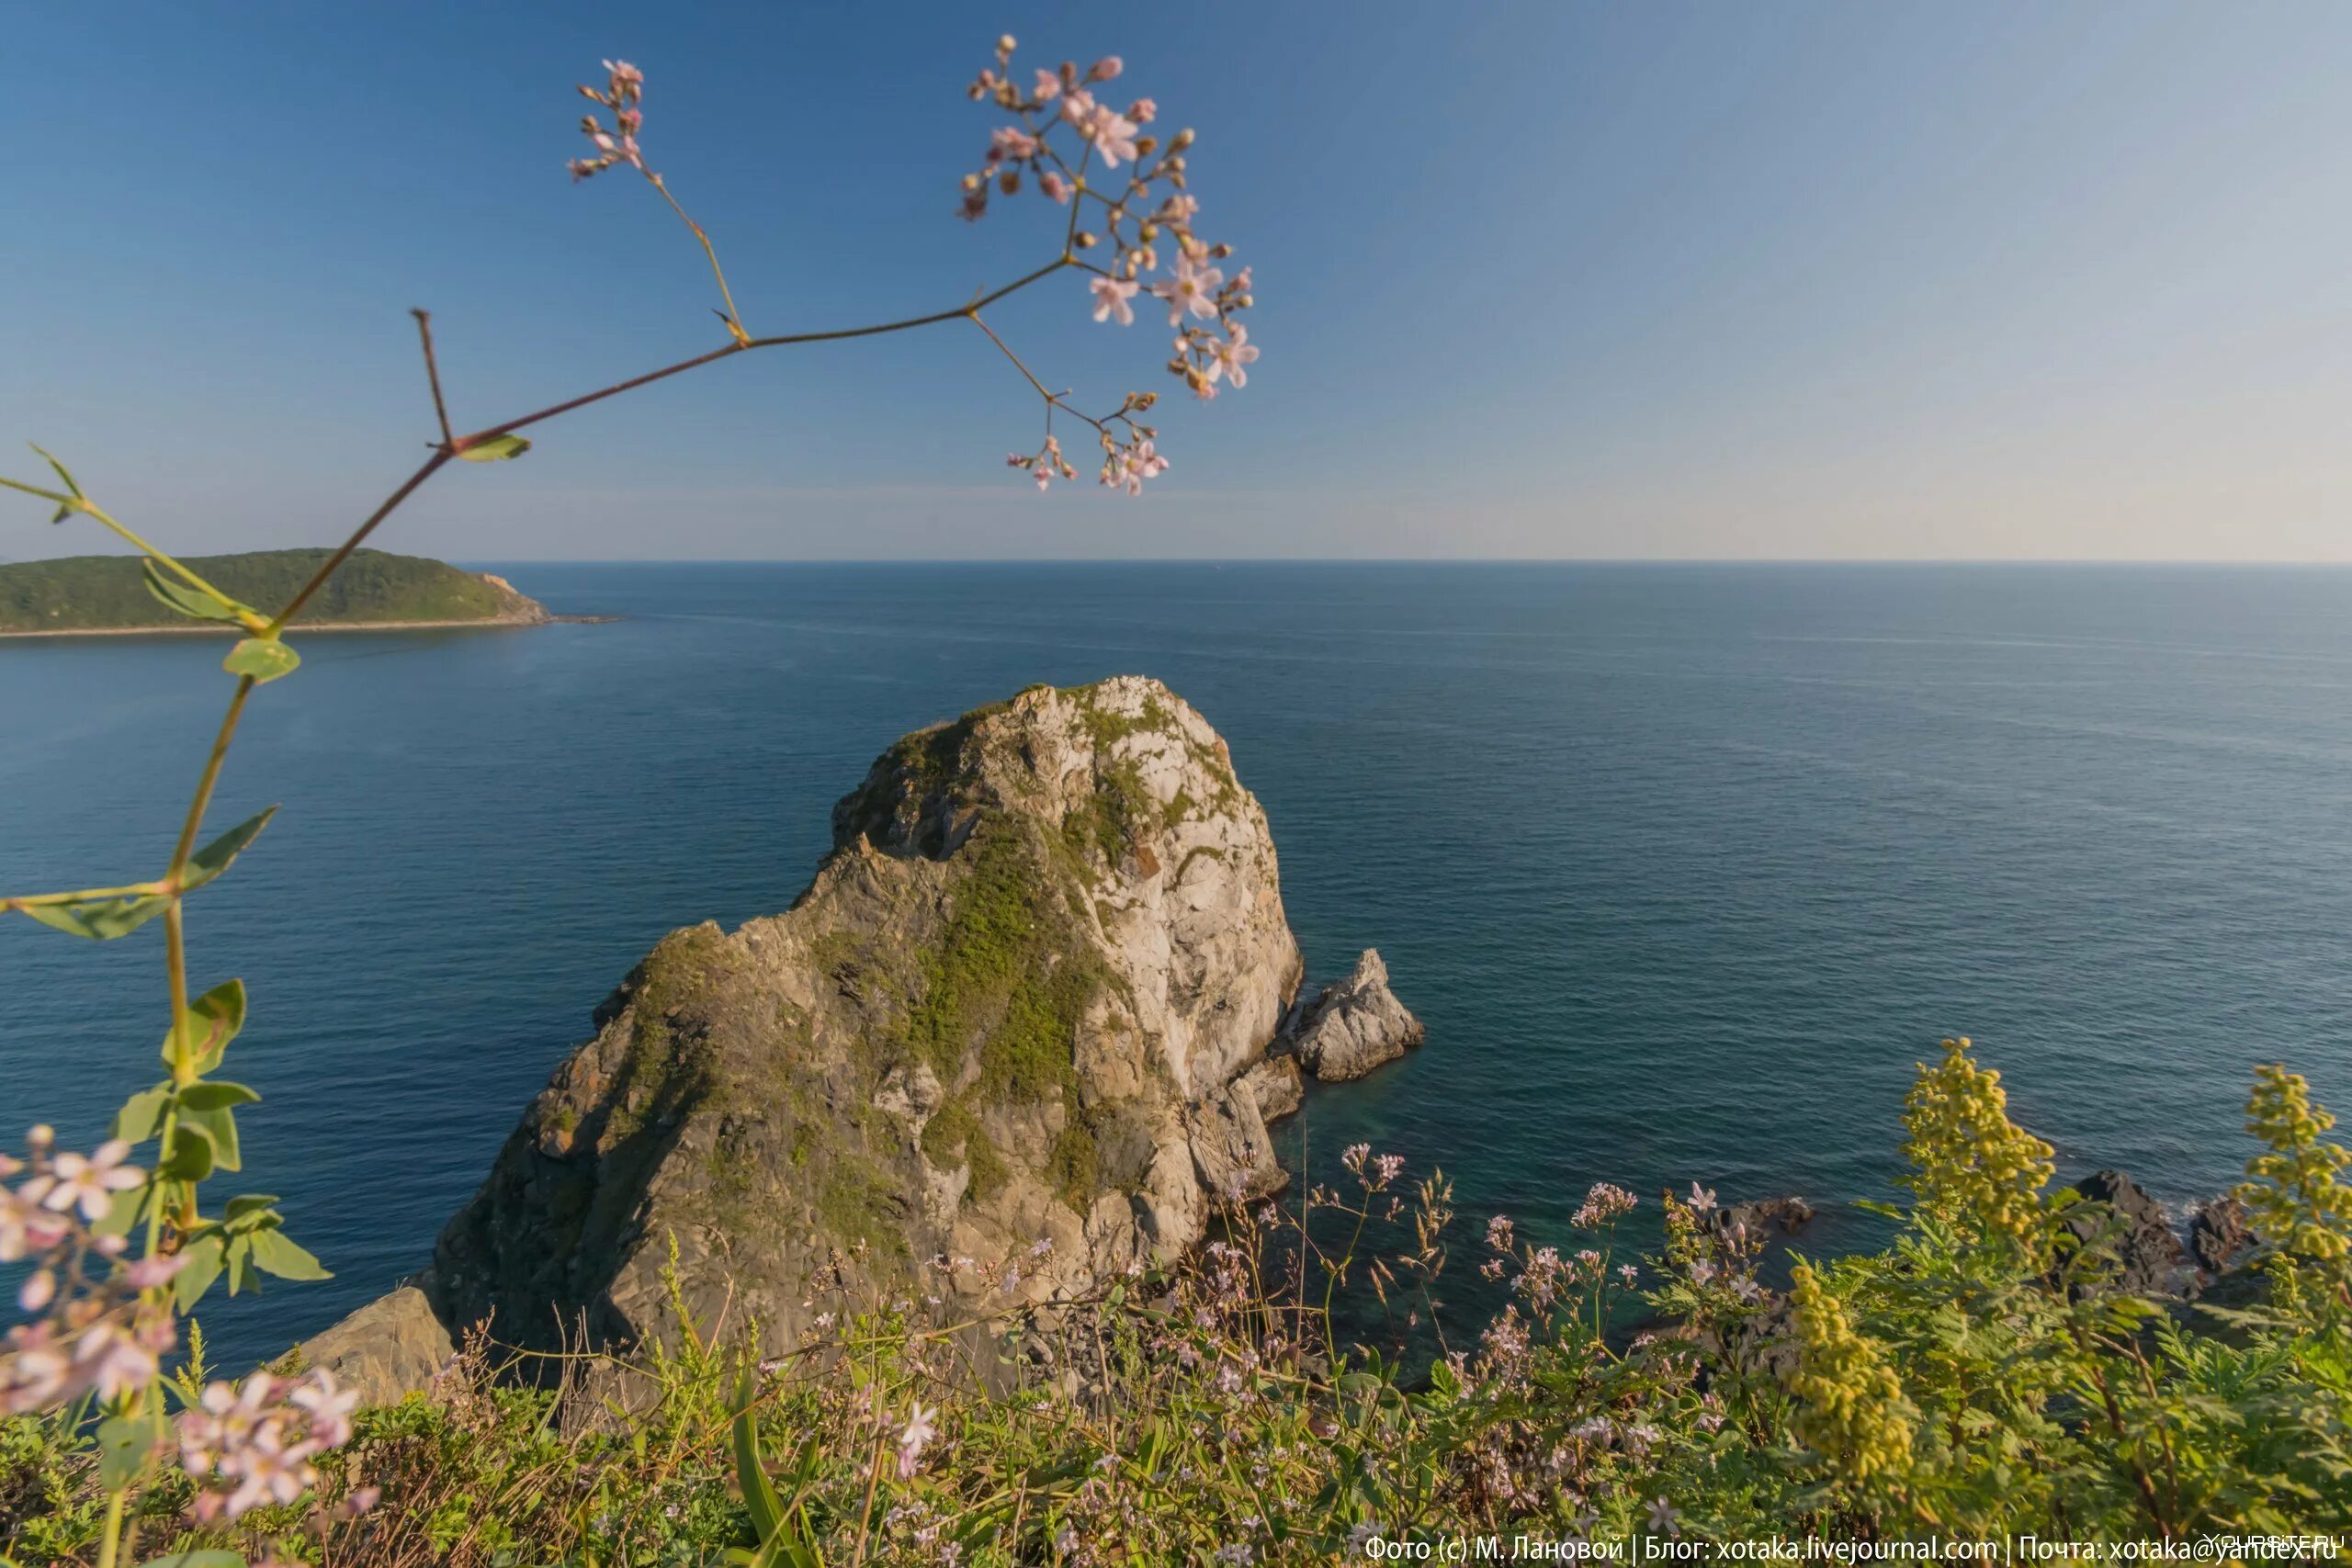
column 224, row 1420
column 1664, row 1518
column 90, row 1182
column 1193, row 287
column 920, row 1428
column 329, row 1406
column 269, row 1470
column 37, row 1372
column 1701, row 1198
column 1111, row 300
column 1235, row 356
column 110, row 1360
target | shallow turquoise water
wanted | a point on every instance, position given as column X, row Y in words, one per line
column 1684, row 866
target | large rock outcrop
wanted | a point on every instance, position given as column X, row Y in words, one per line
column 1356, row 1025
column 1016, row 1005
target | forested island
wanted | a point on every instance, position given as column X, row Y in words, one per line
column 373, row 590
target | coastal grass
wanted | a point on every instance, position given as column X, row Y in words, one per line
column 1982, row 1378
column 109, row 592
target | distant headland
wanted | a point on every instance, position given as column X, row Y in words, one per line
column 96, row 595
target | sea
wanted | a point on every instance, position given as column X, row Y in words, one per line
column 1685, row 867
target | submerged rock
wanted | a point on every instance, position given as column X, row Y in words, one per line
column 1356, row 1025
column 2220, row 1236
column 2148, row 1257
column 1762, row 1219
column 1010, row 1019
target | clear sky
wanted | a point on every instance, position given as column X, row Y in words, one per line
column 1548, row 279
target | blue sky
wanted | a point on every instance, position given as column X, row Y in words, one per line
column 1534, row 280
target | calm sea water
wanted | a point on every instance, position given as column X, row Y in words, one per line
column 1684, row 866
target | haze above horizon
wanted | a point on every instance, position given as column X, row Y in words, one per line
column 1535, row 281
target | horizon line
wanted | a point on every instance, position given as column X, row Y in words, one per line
column 1411, row 560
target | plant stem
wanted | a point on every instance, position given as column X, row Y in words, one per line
column 433, row 373
column 837, row 334
column 734, row 317
column 110, row 1537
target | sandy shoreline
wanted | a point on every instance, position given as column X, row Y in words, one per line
column 304, row 628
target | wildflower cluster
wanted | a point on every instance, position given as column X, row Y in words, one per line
column 1971, row 1165
column 2296, row 1199
column 624, row 94
column 101, row 1324
column 256, row 1443
column 1853, row 1412
column 1069, row 139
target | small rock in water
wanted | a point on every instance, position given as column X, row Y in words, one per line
column 2219, row 1236
column 1357, row 1026
column 2149, row 1261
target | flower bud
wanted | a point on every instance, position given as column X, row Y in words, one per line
column 1145, row 146
column 1110, row 65
column 1244, row 302
column 1084, row 241
column 1009, row 182
column 1148, row 232
column 973, row 182
column 1220, row 250
column 1180, row 141
column 1005, row 45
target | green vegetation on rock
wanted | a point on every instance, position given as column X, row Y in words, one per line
column 109, row 592
column 1008, row 973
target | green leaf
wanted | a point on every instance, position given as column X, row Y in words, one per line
column 247, row 1203
column 263, row 658
column 220, row 1127
column 497, row 449
column 216, row 1096
column 63, row 477
column 241, row 1265
column 215, row 857
column 141, row 1114
column 204, row 1254
column 276, row 1252
column 101, row 920
column 191, row 1155
column 177, row 595
column 218, row 1015
column 759, row 1496
column 123, row 1215
column 123, row 1444
column 212, row 1558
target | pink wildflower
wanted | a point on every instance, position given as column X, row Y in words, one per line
column 89, row 1183
column 918, row 1430
column 1235, row 356
column 1193, row 288
column 1111, row 300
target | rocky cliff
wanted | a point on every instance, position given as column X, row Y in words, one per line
column 1027, row 998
